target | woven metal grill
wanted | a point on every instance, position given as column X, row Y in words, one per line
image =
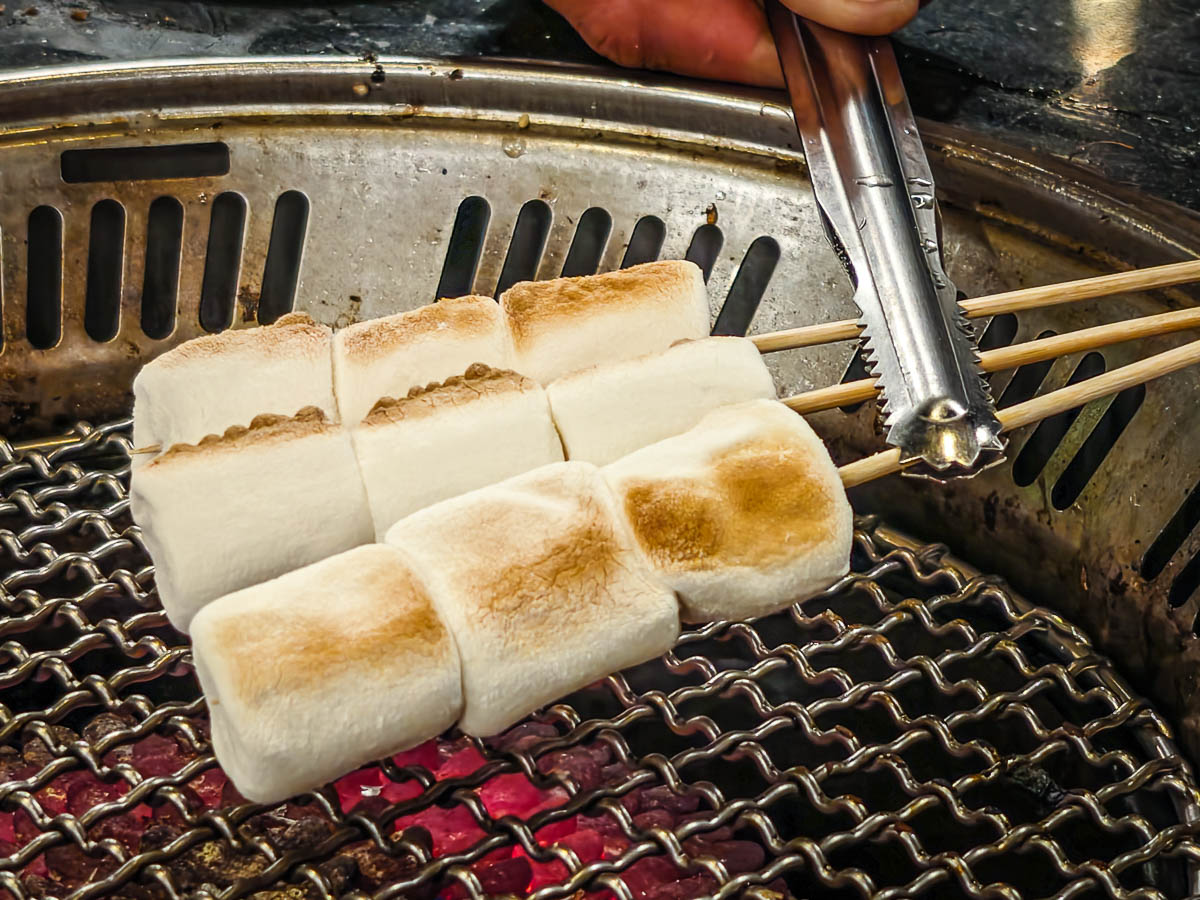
column 918, row 730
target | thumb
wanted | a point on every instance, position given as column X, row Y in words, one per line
column 858, row 16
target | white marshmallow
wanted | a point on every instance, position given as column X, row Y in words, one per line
column 318, row 672
column 450, row 438
column 742, row 515
column 567, row 324
column 387, row 357
column 542, row 587
column 252, row 504
column 610, row 410
column 208, row 384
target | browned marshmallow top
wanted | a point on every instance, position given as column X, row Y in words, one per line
column 760, row 504
column 263, row 429
column 276, row 650
column 463, row 316
column 534, row 305
column 478, row 382
column 295, row 334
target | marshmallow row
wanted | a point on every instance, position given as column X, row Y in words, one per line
column 542, row 329
column 199, row 504
column 484, row 607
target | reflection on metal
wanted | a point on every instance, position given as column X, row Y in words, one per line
column 875, row 191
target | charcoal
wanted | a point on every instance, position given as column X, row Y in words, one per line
column 377, row 868
column 105, row 724
column 738, row 856
column 654, row 818
column 306, row 832
column 70, row 865
column 523, row 736
column 13, row 766
column 37, row 754
column 662, row 797
column 576, row 764
column 158, row 834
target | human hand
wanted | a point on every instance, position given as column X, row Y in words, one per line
column 726, row 40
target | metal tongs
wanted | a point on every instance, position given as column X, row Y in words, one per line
column 875, row 190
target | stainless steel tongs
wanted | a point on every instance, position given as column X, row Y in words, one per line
column 874, row 186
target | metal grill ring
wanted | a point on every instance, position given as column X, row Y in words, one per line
column 916, row 731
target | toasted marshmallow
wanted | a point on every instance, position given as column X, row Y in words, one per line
column 610, row 410
column 542, row 587
column 452, row 437
column 742, row 515
column 247, row 506
column 312, row 675
column 213, row 382
column 567, row 324
column 389, row 356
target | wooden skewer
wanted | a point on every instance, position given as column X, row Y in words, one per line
column 1017, row 355
column 876, row 466
column 1010, row 301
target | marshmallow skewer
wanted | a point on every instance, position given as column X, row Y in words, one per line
column 1010, row 301
column 446, row 439
column 247, row 506
column 324, row 669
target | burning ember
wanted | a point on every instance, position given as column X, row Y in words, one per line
column 363, row 865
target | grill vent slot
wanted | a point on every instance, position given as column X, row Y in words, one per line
column 527, row 244
column 587, row 246
column 1095, row 449
column 281, row 273
column 43, row 288
column 1026, row 380
column 1050, row 432
column 106, row 257
column 144, row 163
column 1185, row 584
column 1000, row 332
column 748, row 288
column 160, row 286
column 465, row 248
column 705, row 248
column 222, row 261
column 1171, row 538
column 646, row 242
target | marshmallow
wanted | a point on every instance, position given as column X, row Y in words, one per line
column 450, row 438
column 318, row 672
column 209, row 383
column 610, row 410
column 567, row 324
column 742, row 515
column 386, row 357
column 542, row 587
column 247, row 506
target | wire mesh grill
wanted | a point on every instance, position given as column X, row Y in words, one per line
column 915, row 731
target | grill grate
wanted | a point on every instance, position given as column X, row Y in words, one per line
column 916, row 731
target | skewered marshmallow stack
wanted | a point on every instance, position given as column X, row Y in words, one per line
column 545, row 582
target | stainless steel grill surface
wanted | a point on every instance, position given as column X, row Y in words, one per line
column 916, row 731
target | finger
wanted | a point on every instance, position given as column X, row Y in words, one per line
column 859, row 16
column 726, row 40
